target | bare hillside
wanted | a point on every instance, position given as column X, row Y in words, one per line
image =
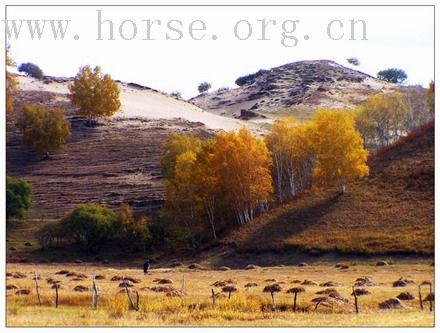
column 297, row 88
column 116, row 161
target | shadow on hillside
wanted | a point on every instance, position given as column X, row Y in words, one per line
column 290, row 222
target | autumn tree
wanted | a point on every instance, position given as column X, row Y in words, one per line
column 182, row 194
column 292, row 157
column 430, row 99
column 174, row 146
column 11, row 82
column 382, row 119
column 95, row 94
column 243, row 165
column 44, row 130
column 339, row 149
column 209, row 188
column 131, row 232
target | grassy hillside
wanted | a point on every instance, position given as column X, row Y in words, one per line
column 391, row 211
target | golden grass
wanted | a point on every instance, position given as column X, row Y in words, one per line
column 246, row 307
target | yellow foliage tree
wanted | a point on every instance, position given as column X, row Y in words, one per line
column 292, row 156
column 430, row 98
column 382, row 118
column 96, row 95
column 243, row 166
column 44, row 130
column 11, row 82
column 176, row 145
column 338, row 147
column 182, row 193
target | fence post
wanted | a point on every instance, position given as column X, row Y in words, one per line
column 356, row 305
column 36, row 287
column 420, row 297
column 56, row 295
column 95, row 294
column 430, row 297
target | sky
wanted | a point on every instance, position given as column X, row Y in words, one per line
column 232, row 44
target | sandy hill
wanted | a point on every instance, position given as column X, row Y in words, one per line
column 117, row 161
column 297, row 88
column 391, row 211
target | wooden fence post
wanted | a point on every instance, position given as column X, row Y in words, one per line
column 430, row 297
column 213, row 297
column 36, row 287
column 420, row 297
column 95, row 294
column 132, row 305
column 356, row 305
column 56, row 295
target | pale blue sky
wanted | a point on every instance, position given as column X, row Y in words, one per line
column 399, row 37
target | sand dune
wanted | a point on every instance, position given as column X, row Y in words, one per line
column 149, row 104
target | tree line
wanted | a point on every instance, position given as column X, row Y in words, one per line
column 231, row 178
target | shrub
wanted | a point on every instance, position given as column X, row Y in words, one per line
column 31, row 70
column 50, row 235
column 204, row 86
column 353, row 61
column 91, row 225
column 223, row 89
column 44, row 130
column 18, row 197
column 131, row 232
column 176, row 94
column 250, row 78
column 393, row 75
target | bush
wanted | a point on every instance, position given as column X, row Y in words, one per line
column 44, row 130
column 130, row 232
column 176, row 94
column 91, row 225
column 31, row 70
column 223, row 89
column 353, row 61
column 204, row 86
column 50, row 235
column 250, row 78
column 393, row 75
column 18, row 197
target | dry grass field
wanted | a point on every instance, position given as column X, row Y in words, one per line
column 248, row 306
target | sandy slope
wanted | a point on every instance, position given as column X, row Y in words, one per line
column 146, row 103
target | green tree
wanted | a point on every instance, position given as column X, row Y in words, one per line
column 353, row 61
column 31, row 70
column 393, row 75
column 91, row 225
column 18, row 197
column 44, row 130
column 95, row 94
column 204, row 86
